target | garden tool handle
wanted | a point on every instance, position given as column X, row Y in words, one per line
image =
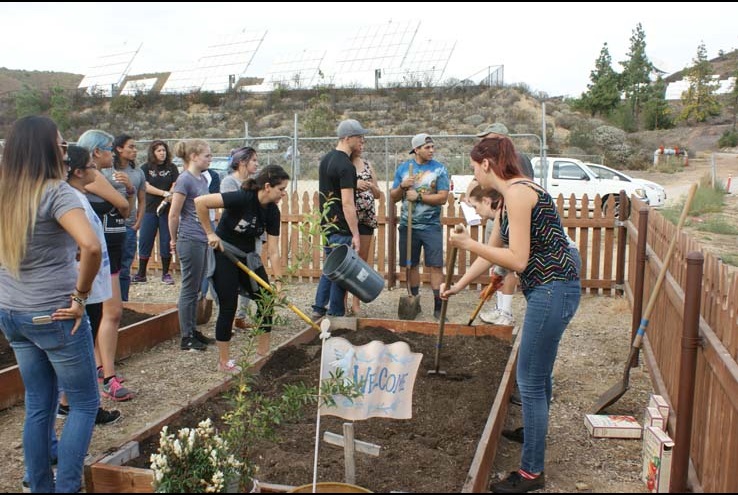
column 268, row 287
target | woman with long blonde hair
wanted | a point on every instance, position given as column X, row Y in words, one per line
column 188, row 238
column 43, row 296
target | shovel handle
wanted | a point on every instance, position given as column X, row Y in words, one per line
column 268, row 287
column 494, row 285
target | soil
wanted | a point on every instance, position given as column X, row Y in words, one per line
column 590, row 360
column 7, row 358
column 431, row 452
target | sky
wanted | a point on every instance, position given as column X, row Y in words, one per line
column 551, row 47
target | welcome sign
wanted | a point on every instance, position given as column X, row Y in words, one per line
column 386, row 374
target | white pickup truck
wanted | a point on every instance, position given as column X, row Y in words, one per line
column 569, row 176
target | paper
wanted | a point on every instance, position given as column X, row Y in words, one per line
column 470, row 215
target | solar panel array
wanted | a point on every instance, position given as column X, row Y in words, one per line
column 296, row 70
column 389, row 51
column 108, row 71
column 230, row 55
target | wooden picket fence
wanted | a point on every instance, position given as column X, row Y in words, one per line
column 714, row 437
column 600, row 239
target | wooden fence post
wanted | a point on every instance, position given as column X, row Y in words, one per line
column 640, row 273
column 687, row 371
column 622, row 236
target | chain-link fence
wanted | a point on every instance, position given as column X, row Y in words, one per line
column 384, row 152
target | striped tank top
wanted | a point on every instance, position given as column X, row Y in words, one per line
column 549, row 258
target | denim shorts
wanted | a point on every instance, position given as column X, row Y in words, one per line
column 430, row 239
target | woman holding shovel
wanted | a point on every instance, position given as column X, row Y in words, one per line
column 247, row 214
column 538, row 250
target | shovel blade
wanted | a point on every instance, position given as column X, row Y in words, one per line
column 436, row 372
column 408, row 307
column 608, row 398
column 616, row 391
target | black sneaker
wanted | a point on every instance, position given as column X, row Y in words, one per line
column 105, row 417
column 516, row 483
column 202, row 338
column 437, row 315
column 192, row 344
column 515, row 399
column 516, row 435
column 62, row 412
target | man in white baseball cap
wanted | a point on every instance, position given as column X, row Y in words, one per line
column 424, row 183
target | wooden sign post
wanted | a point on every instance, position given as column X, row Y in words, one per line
column 350, row 447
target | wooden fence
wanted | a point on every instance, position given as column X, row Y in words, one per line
column 714, row 436
column 600, row 238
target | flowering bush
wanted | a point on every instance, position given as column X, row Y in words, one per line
column 196, row 460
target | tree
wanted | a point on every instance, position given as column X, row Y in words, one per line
column 320, row 118
column 603, row 94
column 699, row 100
column 656, row 111
column 636, row 76
column 60, row 107
column 27, row 102
column 733, row 98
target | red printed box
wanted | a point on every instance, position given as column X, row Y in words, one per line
column 612, row 426
column 657, row 450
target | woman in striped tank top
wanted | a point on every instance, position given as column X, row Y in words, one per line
column 538, row 250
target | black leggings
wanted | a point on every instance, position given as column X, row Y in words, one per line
column 94, row 313
column 226, row 280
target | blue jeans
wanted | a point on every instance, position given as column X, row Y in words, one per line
column 330, row 293
column 49, row 358
column 129, row 251
column 550, row 308
column 149, row 226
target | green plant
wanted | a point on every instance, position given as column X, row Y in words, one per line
column 730, row 259
column 27, row 102
column 60, row 108
column 313, row 223
column 729, row 139
column 718, row 225
column 193, row 460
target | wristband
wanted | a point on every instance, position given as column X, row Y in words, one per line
column 79, row 300
column 82, row 293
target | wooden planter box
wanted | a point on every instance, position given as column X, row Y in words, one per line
column 106, row 474
column 131, row 339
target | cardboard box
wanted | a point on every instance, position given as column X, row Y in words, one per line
column 653, row 418
column 657, row 451
column 660, row 403
column 612, row 426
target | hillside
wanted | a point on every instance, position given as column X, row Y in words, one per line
column 14, row 80
column 392, row 111
column 725, row 66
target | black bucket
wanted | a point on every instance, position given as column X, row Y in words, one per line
column 347, row 269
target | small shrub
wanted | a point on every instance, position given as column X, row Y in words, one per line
column 729, row 139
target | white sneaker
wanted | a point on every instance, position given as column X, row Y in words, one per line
column 490, row 316
column 504, row 318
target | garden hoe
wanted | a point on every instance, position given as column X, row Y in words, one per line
column 409, row 306
column 617, row 390
column 498, row 278
column 450, row 265
column 232, row 251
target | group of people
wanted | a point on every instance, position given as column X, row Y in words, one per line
column 66, row 248
column 67, row 239
column 525, row 236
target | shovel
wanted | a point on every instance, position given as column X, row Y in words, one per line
column 450, row 264
column 617, row 390
column 409, row 306
column 232, row 251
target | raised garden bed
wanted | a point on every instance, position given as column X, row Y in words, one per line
column 448, row 445
column 146, row 324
